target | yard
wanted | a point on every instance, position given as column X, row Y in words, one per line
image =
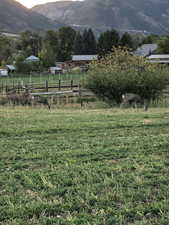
column 84, row 167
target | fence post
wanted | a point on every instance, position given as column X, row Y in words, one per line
column 71, row 85
column 67, row 99
column 59, row 84
column 6, row 89
column 2, row 88
column 18, row 87
column 46, row 86
column 80, row 96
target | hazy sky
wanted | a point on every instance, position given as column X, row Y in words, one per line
column 30, row 3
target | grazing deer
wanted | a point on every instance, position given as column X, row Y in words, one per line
column 134, row 99
column 41, row 100
column 27, row 99
column 16, row 98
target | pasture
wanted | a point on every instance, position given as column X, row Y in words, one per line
column 84, row 167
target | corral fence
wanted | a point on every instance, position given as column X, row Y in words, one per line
column 61, row 91
column 41, row 87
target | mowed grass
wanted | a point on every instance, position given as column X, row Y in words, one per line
column 84, row 167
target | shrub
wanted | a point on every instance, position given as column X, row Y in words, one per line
column 120, row 72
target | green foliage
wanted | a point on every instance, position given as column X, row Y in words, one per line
column 107, row 41
column 85, row 44
column 51, row 39
column 25, row 67
column 120, row 73
column 47, row 56
column 6, row 48
column 151, row 39
column 163, row 45
column 78, row 44
column 30, row 43
column 89, row 43
column 66, row 39
column 126, row 41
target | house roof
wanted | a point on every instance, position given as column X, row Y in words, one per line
column 32, row 58
column 158, row 61
column 11, row 67
column 145, row 50
column 159, row 56
column 84, row 57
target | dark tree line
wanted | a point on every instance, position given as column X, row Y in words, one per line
column 60, row 45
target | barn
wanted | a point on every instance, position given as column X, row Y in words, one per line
column 81, row 60
column 159, row 58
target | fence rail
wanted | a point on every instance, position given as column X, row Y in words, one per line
column 46, row 86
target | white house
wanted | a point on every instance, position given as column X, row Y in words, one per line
column 3, row 72
column 145, row 50
column 55, row 70
column 10, row 68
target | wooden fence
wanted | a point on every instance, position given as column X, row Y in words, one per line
column 41, row 87
column 62, row 91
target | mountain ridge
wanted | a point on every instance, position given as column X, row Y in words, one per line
column 146, row 15
column 14, row 17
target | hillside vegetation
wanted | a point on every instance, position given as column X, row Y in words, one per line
column 97, row 167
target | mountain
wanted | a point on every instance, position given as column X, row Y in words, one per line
column 56, row 10
column 15, row 18
column 129, row 15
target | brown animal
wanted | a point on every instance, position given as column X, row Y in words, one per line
column 19, row 99
column 133, row 100
column 41, row 100
column 26, row 98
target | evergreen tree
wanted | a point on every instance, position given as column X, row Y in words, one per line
column 107, row 41
column 66, row 41
column 51, row 39
column 30, row 43
column 89, row 42
column 126, row 41
column 78, row 44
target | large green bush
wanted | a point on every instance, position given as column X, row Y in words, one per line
column 120, row 72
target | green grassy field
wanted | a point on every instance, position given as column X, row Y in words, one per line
column 84, row 167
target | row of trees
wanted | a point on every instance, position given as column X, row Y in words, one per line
column 60, row 45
